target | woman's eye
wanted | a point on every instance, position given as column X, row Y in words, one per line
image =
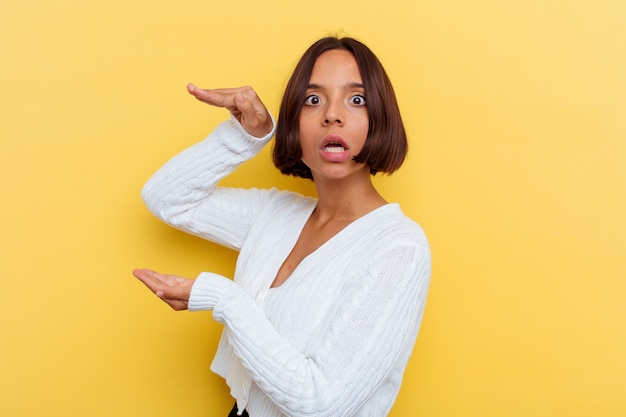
column 312, row 100
column 358, row 100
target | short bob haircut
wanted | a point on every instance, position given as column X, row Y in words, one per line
column 386, row 143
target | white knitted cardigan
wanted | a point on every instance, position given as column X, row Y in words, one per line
column 335, row 338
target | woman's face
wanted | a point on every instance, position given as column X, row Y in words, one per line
column 333, row 121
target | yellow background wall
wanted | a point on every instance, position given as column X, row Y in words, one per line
column 517, row 118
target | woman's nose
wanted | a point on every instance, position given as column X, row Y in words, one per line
column 333, row 114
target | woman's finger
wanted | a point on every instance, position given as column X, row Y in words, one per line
column 157, row 281
column 256, row 121
column 146, row 276
column 222, row 97
column 180, row 293
column 177, row 305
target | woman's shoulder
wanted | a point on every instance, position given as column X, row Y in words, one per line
column 391, row 224
column 401, row 241
column 383, row 234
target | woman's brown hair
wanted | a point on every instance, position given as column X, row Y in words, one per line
column 386, row 144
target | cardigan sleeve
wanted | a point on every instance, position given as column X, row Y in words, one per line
column 374, row 325
column 184, row 193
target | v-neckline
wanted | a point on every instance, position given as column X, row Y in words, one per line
column 294, row 240
column 318, row 249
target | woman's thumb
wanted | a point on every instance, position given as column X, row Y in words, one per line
column 254, row 122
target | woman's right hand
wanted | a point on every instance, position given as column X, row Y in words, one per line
column 242, row 102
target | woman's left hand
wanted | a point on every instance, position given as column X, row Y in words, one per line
column 172, row 289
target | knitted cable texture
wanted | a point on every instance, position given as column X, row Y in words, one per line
column 335, row 338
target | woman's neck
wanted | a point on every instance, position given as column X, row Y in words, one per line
column 348, row 198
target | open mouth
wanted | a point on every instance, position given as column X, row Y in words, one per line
column 334, row 147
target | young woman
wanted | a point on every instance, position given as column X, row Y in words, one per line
column 328, row 293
